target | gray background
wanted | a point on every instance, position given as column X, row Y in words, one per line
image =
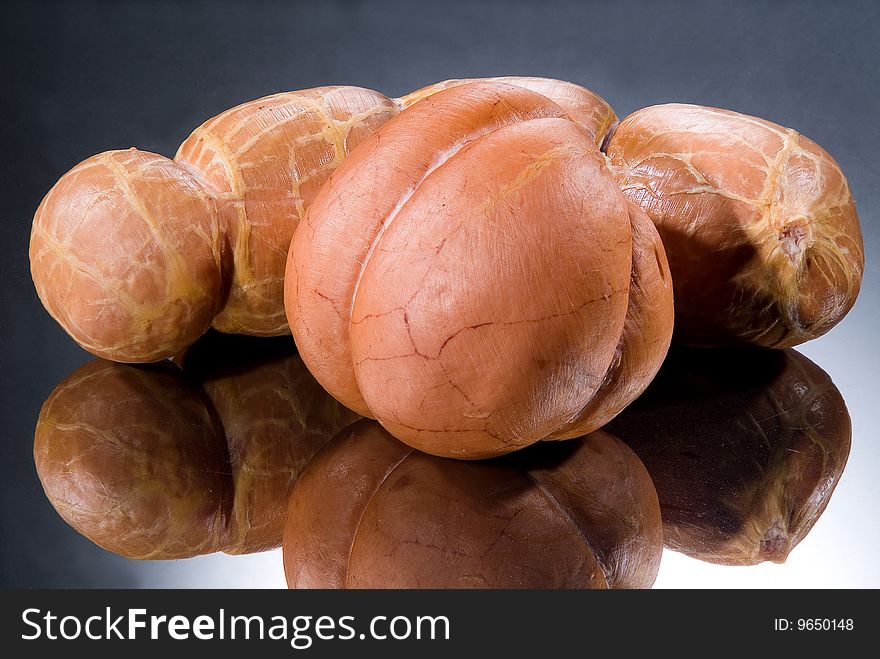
column 83, row 77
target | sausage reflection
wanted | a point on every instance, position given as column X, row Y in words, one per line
column 745, row 448
column 371, row 512
column 160, row 462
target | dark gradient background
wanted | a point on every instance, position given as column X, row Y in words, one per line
column 83, row 77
